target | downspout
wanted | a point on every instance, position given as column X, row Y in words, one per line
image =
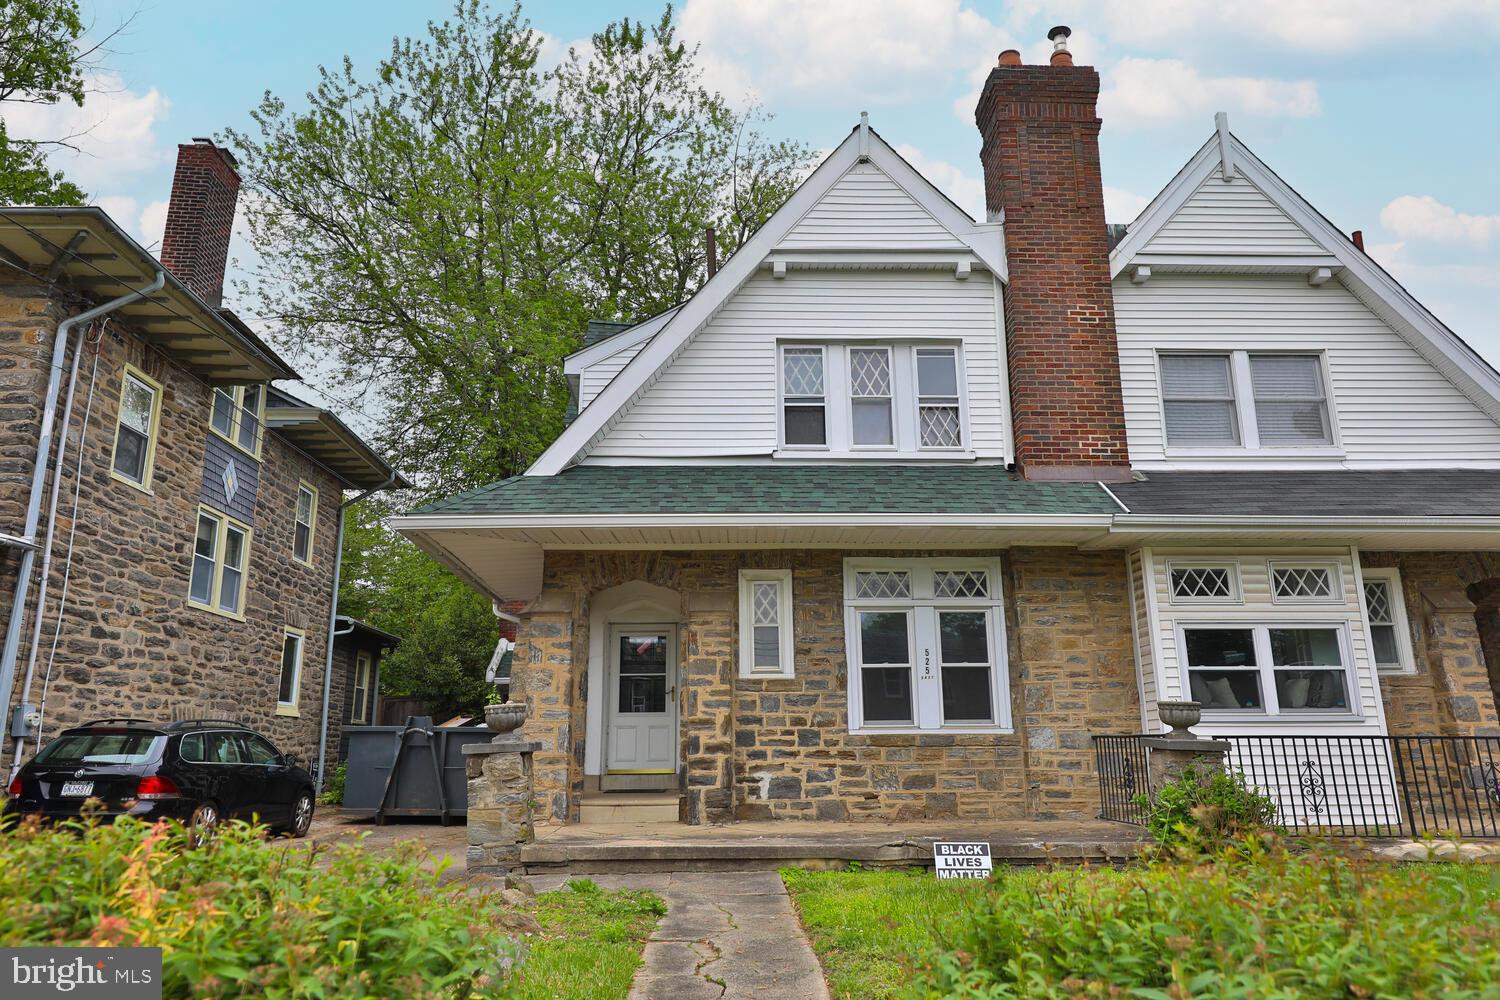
column 333, row 624
column 39, row 474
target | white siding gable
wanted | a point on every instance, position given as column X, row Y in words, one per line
column 593, row 379
column 866, row 210
column 1391, row 406
column 1231, row 217
column 718, row 396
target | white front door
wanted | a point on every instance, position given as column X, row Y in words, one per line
column 641, row 688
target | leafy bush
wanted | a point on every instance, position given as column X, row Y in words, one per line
column 333, row 795
column 243, row 917
column 1204, row 811
column 1260, row 920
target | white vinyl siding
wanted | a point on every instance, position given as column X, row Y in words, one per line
column 1140, row 633
column 1231, row 217
column 593, row 379
column 718, row 397
column 1392, row 407
column 866, row 210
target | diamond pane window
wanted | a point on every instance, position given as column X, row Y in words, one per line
column 804, row 411
column 870, row 396
column 766, row 623
column 938, row 421
column 1302, row 583
column 1202, row 583
column 961, row 583
column 802, row 371
column 1382, row 604
column 882, row 584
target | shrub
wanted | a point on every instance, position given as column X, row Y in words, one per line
column 1260, row 920
column 243, row 917
column 333, row 795
column 1204, row 811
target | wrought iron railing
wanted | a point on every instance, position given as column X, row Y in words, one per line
column 1365, row 786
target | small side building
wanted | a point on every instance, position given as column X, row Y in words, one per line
column 357, row 650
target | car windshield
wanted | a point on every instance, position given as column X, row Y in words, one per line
column 101, row 748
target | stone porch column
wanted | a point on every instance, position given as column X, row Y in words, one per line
column 1172, row 755
column 543, row 676
column 500, row 802
column 706, row 704
column 1455, row 658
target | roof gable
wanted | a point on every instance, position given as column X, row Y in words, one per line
column 976, row 244
column 1231, row 215
column 865, row 209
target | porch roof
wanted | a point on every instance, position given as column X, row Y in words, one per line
column 1334, row 493
column 778, row 489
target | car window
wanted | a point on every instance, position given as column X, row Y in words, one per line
column 100, row 748
column 258, row 751
column 223, row 748
column 191, row 749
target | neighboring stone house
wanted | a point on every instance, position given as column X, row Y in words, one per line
column 902, row 510
column 357, row 649
column 189, row 569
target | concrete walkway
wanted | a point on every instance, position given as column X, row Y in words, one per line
column 731, row 935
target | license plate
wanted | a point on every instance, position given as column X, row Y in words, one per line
column 79, row 789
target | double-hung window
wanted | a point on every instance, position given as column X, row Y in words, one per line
column 862, row 397
column 1385, row 606
column 766, row 623
column 304, row 519
column 238, row 415
column 1245, row 399
column 925, row 641
column 1281, row 668
column 136, row 429
column 361, row 695
column 221, row 557
column 290, row 682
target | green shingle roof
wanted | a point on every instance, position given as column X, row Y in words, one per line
column 778, row 489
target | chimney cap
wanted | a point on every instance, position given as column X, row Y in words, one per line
column 1061, row 29
column 1010, row 57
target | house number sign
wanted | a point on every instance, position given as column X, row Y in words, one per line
column 927, row 673
column 962, row 860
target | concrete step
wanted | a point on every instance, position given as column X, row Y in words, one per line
column 613, row 808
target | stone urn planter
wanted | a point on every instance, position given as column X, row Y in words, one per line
column 1180, row 715
column 503, row 720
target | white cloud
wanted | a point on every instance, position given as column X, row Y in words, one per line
column 872, row 51
column 145, row 223
column 1160, row 91
column 114, row 132
column 1423, row 217
column 965, row 189
column 1121, row 205
column 153, row 222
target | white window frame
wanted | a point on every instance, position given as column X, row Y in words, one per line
column 917, row 397
column 1260, row 629
column 1391, row 577
column 889, row 399
column 1335, row 581
column 360, row 693
column 1243, row 387
column 153, row 429
column 1236, row 589
column 838, row 414
column 221, row 538
column 785, row 637
column 922, row 609
column 312, row 520
column 290, row 707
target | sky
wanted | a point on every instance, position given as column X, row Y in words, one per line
column 1383, row 113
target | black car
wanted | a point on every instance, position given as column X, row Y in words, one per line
column 201, row 772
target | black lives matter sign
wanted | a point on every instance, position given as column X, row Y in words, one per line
column 962, row 860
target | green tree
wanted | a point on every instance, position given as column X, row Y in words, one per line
column 40, row 63
column 438, row 232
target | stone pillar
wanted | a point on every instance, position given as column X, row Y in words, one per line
column 500, row 802
column 1461, row 682
column 1172, row 755
column 706, row 704
column 546, row 675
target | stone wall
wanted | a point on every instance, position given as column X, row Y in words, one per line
column 130, row 644
column 780, row 748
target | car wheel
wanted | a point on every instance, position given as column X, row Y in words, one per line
column 202, row 823
column 302, row 814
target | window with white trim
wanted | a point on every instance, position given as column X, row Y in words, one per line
column 1385, row 607
column 926, row 645
column 360, row 696
column 238, row 416
column 766, row 623
column 290, row 681
column 136, row 427
column 1268, row 668
column 221, row 556
column 305, row 517
column 1203, row 583
column 1305, row 583
column 859, row 398
column 1256, row 400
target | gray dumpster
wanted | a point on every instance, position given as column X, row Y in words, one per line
column 430, row 755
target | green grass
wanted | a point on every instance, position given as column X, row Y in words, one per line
column 868, row 927
column 590, row 944
column 1428, row 929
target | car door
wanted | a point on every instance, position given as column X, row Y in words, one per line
column 241, row 784
column 277, row 783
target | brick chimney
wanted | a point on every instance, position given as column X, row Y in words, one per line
column 1041, row 175
column 195, row 245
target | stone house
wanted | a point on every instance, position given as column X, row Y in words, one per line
column 902, row 510
column 172, row 518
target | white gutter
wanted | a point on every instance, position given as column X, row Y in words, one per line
column 38, row 477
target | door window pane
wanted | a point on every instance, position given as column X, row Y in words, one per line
column 643, row 673
column 1198, row 400
column 201, row 586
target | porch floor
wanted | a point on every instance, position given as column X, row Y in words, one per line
column 761, row 846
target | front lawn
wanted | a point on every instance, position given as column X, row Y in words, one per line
column 1277, row 924
column 591, row 943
